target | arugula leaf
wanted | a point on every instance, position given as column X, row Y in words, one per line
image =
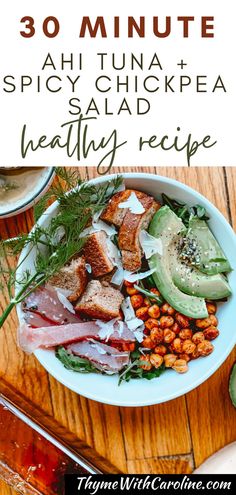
column 133, row 370
column 154, row 373
column 184, row 211
column 74, row 363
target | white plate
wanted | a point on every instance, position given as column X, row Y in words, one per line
column 170, row 384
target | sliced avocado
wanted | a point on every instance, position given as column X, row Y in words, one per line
column 166, row 226
column 232, row 385
column 202, row 250
column 191, row 281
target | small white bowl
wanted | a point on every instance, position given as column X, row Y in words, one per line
column 170, row 384
column 44, row 180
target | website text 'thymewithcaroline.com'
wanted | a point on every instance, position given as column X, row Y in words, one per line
column 133, row 483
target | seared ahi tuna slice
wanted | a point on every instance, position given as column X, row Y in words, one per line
column 104, row 357
column 44, row 302
column 31, row 339
column 36, row 320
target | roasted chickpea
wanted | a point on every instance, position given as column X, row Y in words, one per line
column 156, row 335
column 186, row 357
column 205, row 348
column 166, row 321
column 175, row 328
column 198, row 337
column 169, row 360
column 207, row 322
column 177, row 345
column 146, row 365
column 148, row 343
column 167, row 309
column 156, row 360
column 182, row 320
column 146, row 302
column 180, row 365
column 195, row 354
column 214, row 320
column 160, row 349
column 131, row 291
column 136, row 301
column 188, row 347
column 169, row 335
column 154, row 311
column 210, row 333
column 202, row 323
column 155, row 291
column 211, row 308
column 142, row 313
column 128, row 284
column 186, row 334
column 151, row 323
column 128, row 347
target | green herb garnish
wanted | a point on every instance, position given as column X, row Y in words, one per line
column 74, row 363
column 133, row 369
column 183, row 211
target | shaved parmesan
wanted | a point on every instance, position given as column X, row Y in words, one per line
column 106, row 328
column 97, row 227
column 97, row 215
column 134, row 324
column 88, row 267
column 65, row 292
column 109, row 229
column 133, row 204
column 139, row 334
column 87, row 231
column 64, row 301
column 98, row 347
column 113, row 253
column 120, row 327
column 150, row 245
column 133, row 277
column 128, row 309
column 118, row 277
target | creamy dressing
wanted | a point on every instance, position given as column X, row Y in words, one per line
column 18, row 185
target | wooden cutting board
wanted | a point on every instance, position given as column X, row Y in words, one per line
column 168, row 438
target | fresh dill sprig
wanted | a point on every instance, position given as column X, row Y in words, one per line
column 57, row 243
column 66, row 180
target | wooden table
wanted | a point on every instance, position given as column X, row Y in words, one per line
column 173, row 437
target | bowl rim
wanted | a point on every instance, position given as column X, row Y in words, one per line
column 31, row 199
column 40, row 353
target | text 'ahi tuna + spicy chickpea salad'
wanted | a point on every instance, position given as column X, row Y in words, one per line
column 122, row 284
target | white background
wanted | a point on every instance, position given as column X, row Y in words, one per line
column 199, row 114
